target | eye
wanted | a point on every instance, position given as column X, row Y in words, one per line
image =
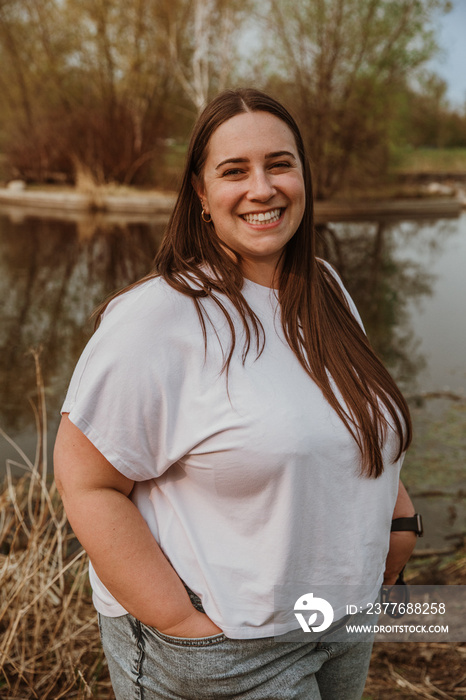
column 233, row 173
column 281, row 165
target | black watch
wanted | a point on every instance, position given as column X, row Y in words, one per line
column 414, row 524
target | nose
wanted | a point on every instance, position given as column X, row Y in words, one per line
column 261, row 187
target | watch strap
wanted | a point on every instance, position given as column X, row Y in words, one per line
column 414, row 524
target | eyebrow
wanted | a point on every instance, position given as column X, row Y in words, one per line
column 275, row 154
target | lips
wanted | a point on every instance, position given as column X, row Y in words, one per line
column 265, row 217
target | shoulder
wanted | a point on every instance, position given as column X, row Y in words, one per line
column 152, row 301
column 153, row 292
column 149, row 321
column 331, row 276
column 326, row 267
column 146, row 334
column 335, row 280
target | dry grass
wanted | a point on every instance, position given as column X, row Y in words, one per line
column 49, row 644
column 429, row 671
column 96, row 187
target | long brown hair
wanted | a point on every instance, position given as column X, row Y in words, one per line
column 317, row 322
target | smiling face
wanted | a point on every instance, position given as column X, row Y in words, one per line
column 253, row 188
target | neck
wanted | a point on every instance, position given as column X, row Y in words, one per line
column 262, row 273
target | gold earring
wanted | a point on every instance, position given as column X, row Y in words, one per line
column 203, row 216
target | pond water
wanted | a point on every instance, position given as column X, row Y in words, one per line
column 407, row 278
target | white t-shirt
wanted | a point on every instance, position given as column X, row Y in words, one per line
column 249, row 483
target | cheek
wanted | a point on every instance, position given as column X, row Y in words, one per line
column 299, row 196
column 223, row 199
column 292, row 186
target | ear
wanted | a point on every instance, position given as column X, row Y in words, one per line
column 198, row 186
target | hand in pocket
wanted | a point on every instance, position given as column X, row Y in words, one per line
column 196, row 625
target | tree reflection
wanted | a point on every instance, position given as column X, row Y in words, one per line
column 54, row 273
column 51, row 278
column 383, row 284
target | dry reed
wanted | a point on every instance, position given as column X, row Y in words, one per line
column 49, row 644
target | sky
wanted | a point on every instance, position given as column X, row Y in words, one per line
column 451, row 64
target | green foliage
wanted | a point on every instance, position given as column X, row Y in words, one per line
column 343, row 65
column 423, row 117
column 430, row 160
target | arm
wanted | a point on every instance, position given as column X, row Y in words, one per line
column 401, row 543
column 122, row 549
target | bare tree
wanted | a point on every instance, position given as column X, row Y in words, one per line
column 342, row 63
column 85, row 82
column 202, row 38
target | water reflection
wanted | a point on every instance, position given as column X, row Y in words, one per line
column 53, row 274
column 382, row 287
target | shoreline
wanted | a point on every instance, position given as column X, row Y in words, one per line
column 143, row 206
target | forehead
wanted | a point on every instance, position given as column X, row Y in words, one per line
column 250, row 134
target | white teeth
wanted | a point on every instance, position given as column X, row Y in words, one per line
column 268, row 216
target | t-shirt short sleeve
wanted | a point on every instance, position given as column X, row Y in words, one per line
column 125, row 390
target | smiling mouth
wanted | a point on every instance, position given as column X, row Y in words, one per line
column 266, row 217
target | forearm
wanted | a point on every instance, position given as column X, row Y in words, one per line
column 123, row 551
column 126, row 556
column 401, row 543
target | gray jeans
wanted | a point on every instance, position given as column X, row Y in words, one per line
column 145, row 664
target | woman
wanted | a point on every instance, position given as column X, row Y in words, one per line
column 229, row 432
